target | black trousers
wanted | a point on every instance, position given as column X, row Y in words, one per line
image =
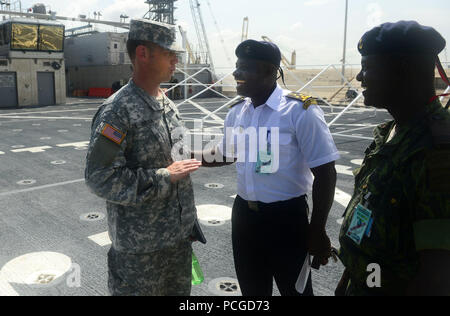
column 269, row 244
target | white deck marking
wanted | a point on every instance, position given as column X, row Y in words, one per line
column 211, row 211
column 42, row 187
column 342, row 198
column 16, row 121
column 352, row 136
column 355, row 129
column 76, row 145
column 101, row 239
column 357, row 162
column 347, row 170
column 44, row 112
column 32, row 149
column 366, row 125
column 48, row 117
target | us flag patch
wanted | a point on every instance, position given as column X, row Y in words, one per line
column 113, row 134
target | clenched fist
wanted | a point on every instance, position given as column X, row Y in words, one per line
column 319, row 245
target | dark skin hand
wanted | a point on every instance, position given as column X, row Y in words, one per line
column 319, row 244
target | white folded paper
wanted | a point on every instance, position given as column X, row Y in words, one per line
column 302, row 280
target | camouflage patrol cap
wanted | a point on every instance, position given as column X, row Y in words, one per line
column 158, row 33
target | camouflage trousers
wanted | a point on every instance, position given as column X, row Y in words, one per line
column 166, row 272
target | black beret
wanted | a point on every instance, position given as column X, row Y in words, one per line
column 404, row 37
column 263, row 51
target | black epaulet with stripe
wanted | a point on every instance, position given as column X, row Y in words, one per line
column 240, row 100
column 305, row 99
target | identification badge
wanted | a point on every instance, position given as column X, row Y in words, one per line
column 359, row 224
column 264, row 163
column 265, row 159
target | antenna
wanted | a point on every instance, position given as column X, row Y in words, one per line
column 245, row 29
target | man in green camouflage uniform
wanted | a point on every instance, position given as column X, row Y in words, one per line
column 131, row 163
column 395, row 239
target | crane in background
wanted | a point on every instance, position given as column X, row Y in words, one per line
column 159, row 10
column 225, row 49
column 191, row 57
column 290, row 65
column 201, row 33
column 245, row 29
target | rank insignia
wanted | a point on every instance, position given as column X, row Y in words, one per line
column 305, row 99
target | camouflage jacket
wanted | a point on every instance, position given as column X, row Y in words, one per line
column 132, row 141
column 408, row 178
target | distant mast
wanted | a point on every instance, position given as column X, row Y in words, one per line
column 161, row 11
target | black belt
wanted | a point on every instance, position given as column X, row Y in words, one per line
column 257, row 206
column 253, row 206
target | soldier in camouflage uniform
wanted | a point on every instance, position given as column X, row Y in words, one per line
column 131, row 163
column 399, row 215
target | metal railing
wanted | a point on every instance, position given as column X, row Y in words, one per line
column 211, row 117
column 445, row 92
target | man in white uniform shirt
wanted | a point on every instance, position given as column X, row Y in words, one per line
column 279, row 141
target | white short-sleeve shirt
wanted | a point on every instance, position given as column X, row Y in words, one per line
column 300, row 139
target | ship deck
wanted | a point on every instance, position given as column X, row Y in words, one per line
column 53, row 230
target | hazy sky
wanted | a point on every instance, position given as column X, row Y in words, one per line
column 313, row 28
